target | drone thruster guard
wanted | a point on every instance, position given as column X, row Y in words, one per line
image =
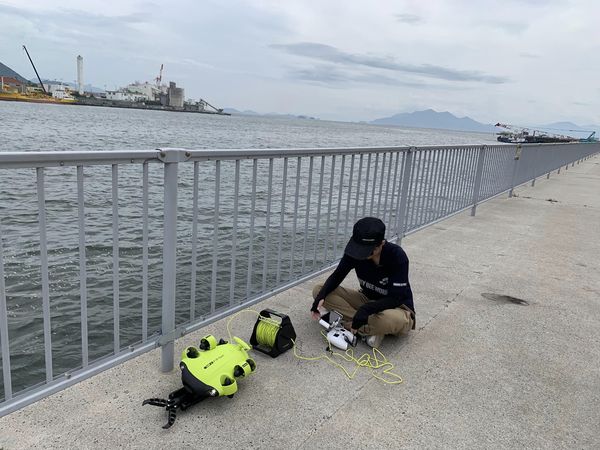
column 209, row 371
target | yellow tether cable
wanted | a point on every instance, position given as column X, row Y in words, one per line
column 268, row 328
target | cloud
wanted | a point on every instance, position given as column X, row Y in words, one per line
column 453, row 55
column 75, row 16
column 333, row 76
column 333, row 55
column 529, row 55
column 193, row 62
column 13, row 11
column 409, row 18
column 510, row 27
column 66, row 28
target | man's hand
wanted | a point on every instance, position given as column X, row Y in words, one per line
column 316, row 315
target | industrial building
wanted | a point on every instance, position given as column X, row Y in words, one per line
column 137, row 95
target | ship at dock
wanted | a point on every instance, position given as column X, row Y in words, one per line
column 14, row 87
column 154, row 95
column 520, row 135
column 14, row 95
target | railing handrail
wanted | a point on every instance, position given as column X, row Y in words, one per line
column 10, row 160
column 429, row 184
column 75, row 157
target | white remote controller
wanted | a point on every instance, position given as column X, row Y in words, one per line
column 341, row 338
column 337, row 335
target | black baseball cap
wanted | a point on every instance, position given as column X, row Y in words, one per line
column 367, row 234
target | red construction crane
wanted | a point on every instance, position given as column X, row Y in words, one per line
column 158, row 79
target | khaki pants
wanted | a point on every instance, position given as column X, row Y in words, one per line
column 347, row 301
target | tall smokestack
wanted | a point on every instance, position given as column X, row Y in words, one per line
column 80, row 74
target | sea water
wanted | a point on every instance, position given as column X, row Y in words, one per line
column 43, row 127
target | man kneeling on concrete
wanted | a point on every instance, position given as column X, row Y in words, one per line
column 384, row 304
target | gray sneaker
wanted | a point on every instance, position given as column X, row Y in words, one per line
column 374, row 340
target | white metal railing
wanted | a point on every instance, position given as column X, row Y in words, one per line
column 92, row 249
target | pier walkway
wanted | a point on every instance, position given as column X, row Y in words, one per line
column 479, row 371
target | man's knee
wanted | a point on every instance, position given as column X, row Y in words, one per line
column 316, row 289
column 404, row 321
column 395, row 321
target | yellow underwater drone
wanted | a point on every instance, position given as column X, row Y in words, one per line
column 212, row 370
column 209, row 371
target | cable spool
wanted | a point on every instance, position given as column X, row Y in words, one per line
column 273, row 333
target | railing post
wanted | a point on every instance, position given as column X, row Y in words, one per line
column 45, row 275
column 534, row 168
column 478, row 176
column 171, row 158
column 4, row 332
column 402, row 209
column 515, row 167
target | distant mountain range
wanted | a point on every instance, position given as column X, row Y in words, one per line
column 430, row 118
column 569, row 128
column 86, row 87
column 6, row 71
column 434, row 119
column 248, row 112
column 570, row 125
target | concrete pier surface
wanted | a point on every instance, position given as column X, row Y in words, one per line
column 481, row 370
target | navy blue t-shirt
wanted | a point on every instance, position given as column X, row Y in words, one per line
column 386, row 284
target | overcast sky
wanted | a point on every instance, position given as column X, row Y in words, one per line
column 520, row 62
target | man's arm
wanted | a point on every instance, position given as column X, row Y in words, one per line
column 398, row 286
column 333, row 281
column 373, row 307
